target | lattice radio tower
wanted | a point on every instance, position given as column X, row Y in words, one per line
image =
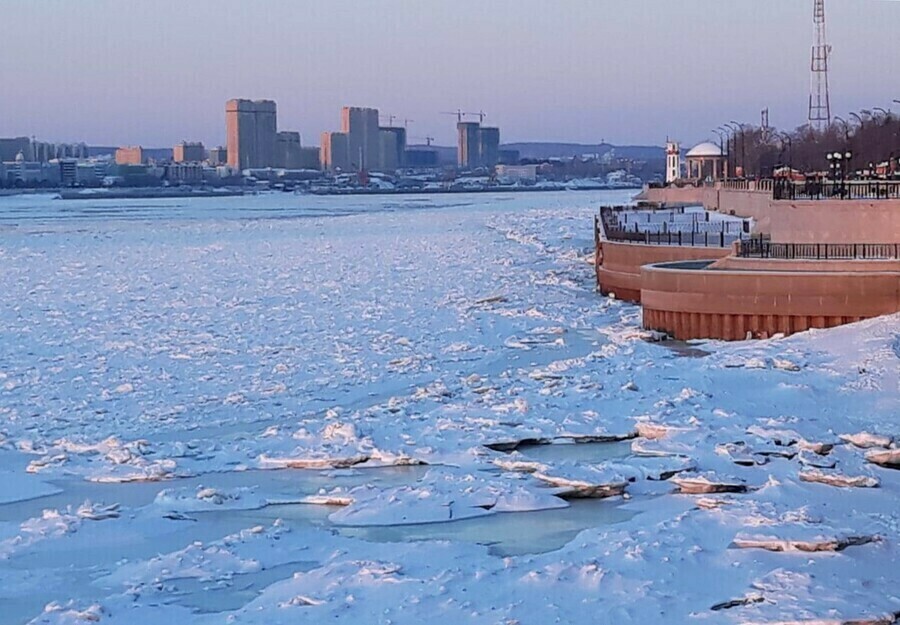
column 819, row 98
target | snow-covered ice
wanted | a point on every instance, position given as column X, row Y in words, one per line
column 284, row 409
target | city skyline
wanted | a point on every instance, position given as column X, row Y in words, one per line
column 570, row 75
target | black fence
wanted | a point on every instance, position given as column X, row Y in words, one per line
column 693, row 239
column 836, row 190
column 699, row 235
column 762, row 248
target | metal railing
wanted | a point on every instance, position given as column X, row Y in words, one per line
column 699, row 233
column 692, row 239
column 763, row 248
column 837, row 190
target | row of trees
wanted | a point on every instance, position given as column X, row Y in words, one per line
column 871, row 137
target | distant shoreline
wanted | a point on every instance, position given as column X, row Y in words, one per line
column 151, row 193
column 458, row 191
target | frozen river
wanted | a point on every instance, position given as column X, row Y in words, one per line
column 282, row 409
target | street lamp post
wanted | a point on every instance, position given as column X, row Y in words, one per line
column 839, row 163
column 788, row 182
column 727, row 130
column 846, row 126
column 735, row 129
column 786, row 137
column 847, row 156
column 721, row 140
column 897, row 132
column 743, row 147
column 721, row 149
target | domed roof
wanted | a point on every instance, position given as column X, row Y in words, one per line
column 705, row 149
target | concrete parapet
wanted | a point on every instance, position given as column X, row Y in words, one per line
column 795, row 221
column 619, row 264
column 693, row 303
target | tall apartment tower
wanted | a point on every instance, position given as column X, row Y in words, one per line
column 468, row 152
column 252, row 133
column 387, row 146
column 361, row 127
column 334, row 152
column 289, row 150
column 488, row 146
column 393, row 147
column 673, row 162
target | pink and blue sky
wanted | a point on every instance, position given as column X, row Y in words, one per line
column 628, row 71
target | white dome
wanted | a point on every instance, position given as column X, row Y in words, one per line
column 705, row 149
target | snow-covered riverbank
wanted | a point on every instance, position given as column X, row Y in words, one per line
column 239, row 410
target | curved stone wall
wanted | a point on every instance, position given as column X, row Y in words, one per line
column 691, row 303
column 776, row 264
column 619, row 264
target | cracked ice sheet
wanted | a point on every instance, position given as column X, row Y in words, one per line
column 421, row 336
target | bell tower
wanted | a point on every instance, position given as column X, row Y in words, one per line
column 673, row 162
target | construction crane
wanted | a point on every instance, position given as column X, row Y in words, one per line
column 390, row 119
column 480, row 115
column 407, row 122
column 427, row 140
column 458, row 113
column 819, row 96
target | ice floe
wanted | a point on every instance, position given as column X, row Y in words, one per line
column 297, row 366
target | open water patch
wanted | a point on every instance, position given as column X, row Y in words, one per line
column 570, row 451
column 508, row 533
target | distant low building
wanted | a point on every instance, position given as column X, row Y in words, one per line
column 11, row 147
column 45, row 152
column 509, row 157
column 68, row 172
column 131, row 175
column 218, row 156
column 421, row 158
column 80, row 173
column 517, row 173
column 310, row 158
column 184, row 172
column 22, row 172
column 133, row 155
column 186, row 152
column 39, row 151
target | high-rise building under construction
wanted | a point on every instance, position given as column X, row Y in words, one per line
column 478, row 146
column 467, row 150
